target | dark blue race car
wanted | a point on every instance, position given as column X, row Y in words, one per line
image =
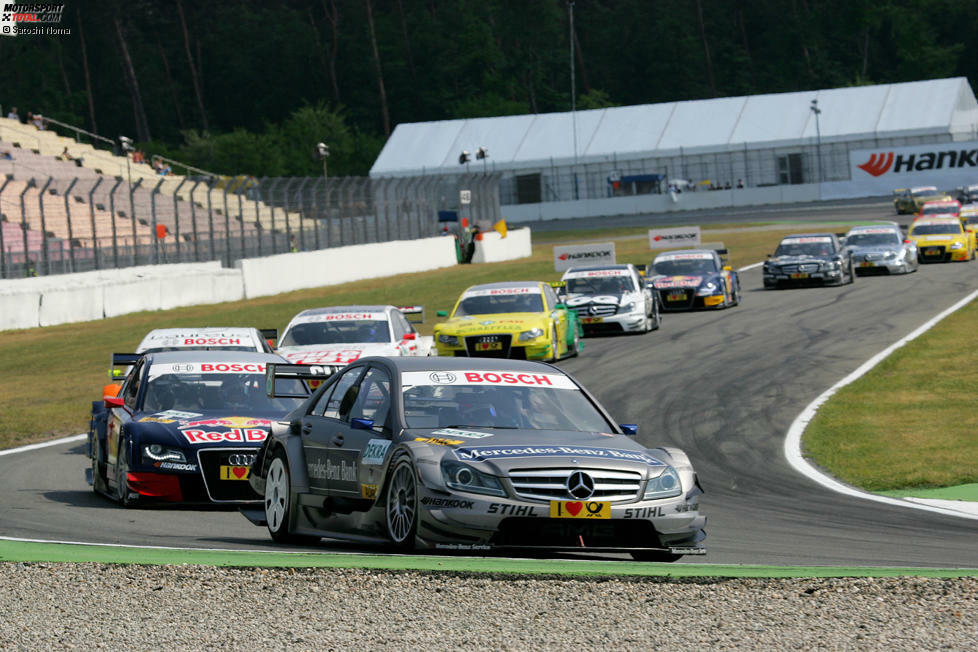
column 185, row 428
column 693, row 278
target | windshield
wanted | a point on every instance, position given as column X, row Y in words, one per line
column 941, row 209
column 600, row 285
column 872, row 239
column 684, row 266
column 534, row 405
column 805, row 247
column 190, row 392
column 336, row 332
column 484, row 304
column 936, row 229
column 923, row 192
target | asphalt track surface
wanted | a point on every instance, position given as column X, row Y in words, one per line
column 724, row 386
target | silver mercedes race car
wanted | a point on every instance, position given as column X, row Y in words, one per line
column 881, row 249
column 470, row 454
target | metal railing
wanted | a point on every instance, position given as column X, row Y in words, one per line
column 62, row 225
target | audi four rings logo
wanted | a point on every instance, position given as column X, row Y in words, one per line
column 580, row 485
column 241, row 459
column 439, row 378
column 877, row 164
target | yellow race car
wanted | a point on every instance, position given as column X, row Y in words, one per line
column 910, row 200
column 520, row 320
column 941, row 239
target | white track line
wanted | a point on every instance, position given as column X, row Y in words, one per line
column 792, row 442
column 43, row 444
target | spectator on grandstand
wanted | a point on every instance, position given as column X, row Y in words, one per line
column 6, row 156
column 38, row 121
column 138, row 156
column 66, row 156
column 166, row 170
column 157, row 164
column 13, row 114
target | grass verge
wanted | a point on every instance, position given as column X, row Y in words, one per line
column 908, row 424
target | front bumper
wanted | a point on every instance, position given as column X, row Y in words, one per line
column 460, row 521
column 779, row 278
column 502, row 345
column 884, row 266
column 212, row 480
column 673, row 299
column 631, row 322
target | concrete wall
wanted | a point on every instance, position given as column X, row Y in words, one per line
column 308, row 269
column 643, row 204
column 494, row 248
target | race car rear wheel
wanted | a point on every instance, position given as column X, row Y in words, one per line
column 575, row 346
column 122, row 476
column 401, row 506
column 554, row 343
column 278, row 501
column 655, row 317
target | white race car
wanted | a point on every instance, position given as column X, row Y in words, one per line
column 335, row 336
column 610, row 299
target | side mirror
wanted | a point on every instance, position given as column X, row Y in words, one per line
column 114, row 402
column 629, row 428
column 410, row 336
column 442, row 313
column 295, row 426
column 361, row 424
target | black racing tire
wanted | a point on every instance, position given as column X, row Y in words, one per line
column 737, row 292
column 555, row 343
column 99, row 483
column 121, row 476
column 401, row 505
column 656, row 316
column 574, row 348
column 655, row 555
column 278, row 501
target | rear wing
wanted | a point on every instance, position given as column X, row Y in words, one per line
column 308, row 373
column 122, row 360
column 412, row 311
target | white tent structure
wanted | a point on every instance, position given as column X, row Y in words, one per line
column 624, row 153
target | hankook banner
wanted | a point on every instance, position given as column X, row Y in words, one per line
column 882, row 170
column 601, row 253
column 683, row 236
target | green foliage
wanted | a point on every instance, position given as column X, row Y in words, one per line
column 278, row 73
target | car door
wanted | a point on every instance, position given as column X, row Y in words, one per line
column 120, row 416
column 366, row 437
column 641, row 287
column 323, row 424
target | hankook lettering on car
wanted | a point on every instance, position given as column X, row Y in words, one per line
column 375, row 451
column 451, row 503
column 487, row 378
column 691, row 256
column 483, row 453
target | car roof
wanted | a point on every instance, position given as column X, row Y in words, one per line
column 598, row 268
column 168, row 357
column 434, row 363
column 356, row 308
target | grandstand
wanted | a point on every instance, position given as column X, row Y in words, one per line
column 94, row 208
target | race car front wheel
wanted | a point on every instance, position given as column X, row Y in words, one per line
column 122, row 476
column 278, row 501
column 402, row 505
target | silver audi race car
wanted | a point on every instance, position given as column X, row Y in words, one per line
column 881, row 249
column 470, row 454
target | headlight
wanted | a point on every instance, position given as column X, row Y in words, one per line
column 890, row 255
column 531, row 334
column 463, row 477
column 707, row 288
column 450, row 340
column 162, row 453
column 628, row 307
column 666, row 485
column 956, row 246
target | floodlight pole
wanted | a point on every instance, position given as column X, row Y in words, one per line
column 570, row 13
column 818, row 144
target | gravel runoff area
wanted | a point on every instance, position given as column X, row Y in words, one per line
column 83, row 606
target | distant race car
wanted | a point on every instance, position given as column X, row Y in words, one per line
column 337, row 335
column 518, row 319
column 910, row 200
column 470, row 454
column 942, row 239
column 186, row 427
column 881, row 249
column 693, row 278
column 941, row 208
column 968, row 194
column 610, row 299
column 809, row 259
